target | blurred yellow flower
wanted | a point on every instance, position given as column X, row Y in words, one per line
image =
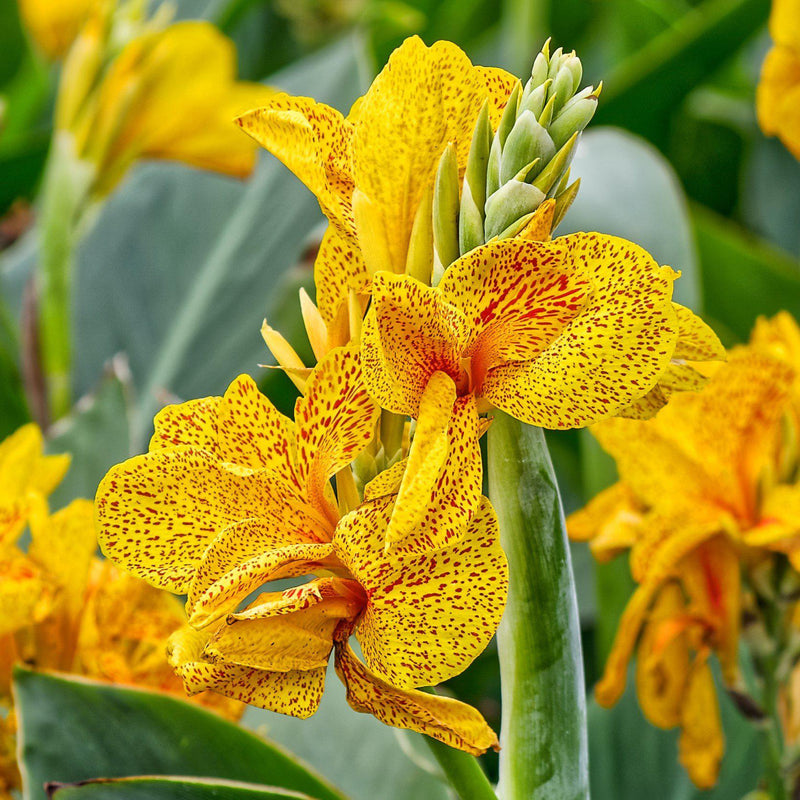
column 372, row 169
column 778, row 96
column 700, row 494
column 61, row 607
column 169, row 93
column 54, row 24
column 233, row 495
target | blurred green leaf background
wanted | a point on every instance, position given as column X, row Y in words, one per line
column 181, row 268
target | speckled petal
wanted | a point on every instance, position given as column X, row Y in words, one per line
column 192, row 423
column 156, row 514
column 253, row 433
column 429, row 615
column 675, row 378
column 517, row 297
column 696, row 340
column 610, row 354
column 335, row 421
column 338, row 268
column 247, row 565
column 296, row 693
column 313, row 140
column 409, row 333
column 387, row 482
column 450, row 721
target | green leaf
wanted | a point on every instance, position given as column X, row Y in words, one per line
column 644, row 91
column 172, row 788
column 543, row 736
column 628, row 189
column 72, row 729
column 743, row 277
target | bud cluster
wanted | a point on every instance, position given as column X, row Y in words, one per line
column 512, row 171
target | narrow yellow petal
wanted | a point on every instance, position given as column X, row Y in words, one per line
column 338, row 267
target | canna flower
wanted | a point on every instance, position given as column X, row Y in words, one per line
column 233, row 495
column 54, row 25
column 170, row 93
column 373, row 171
column 558, row 334
column 778, row 95
column 699, row 497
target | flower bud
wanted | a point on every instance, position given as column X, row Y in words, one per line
column 445, row 208
column 510, row 202
column 555, row 169
column 574, row 117
column 527, row 141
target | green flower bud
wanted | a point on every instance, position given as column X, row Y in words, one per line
column 493, row 168
column 561, row 90
column 445, row 208
column 509, row 115
column 535, row 100
column 510, row 202
column 516, row 227
column 541, row 65
column 557, row 166
column 564, row 201
column 573, row 64
column 478, row 158
column 555, row 63
column 574, row 117
column 546, row 117
column 470, row 222
column 527, row 141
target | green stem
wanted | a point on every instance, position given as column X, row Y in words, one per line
column 64, row 197
column 463, row 772
column 543, row 737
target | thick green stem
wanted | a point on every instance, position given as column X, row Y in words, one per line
column 64, row 196
column 544, row 753
column 463, row 772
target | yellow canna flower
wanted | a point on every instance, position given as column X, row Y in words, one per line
column 234, row 495
column 778, row 95
column 169, row 93
column 54, row 25
column 373, row 170
column 558, row 334
column 699, row 496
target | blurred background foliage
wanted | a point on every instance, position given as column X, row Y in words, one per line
column 177, row 274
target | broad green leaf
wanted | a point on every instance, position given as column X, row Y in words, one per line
column 172, row 788
column 644, row 91
column 96, row 434
column 628, row 189
column 72, row 729
column 743, row 277
column 354, row 751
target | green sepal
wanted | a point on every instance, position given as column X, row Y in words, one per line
column 552, row 173
column 510, row 202
column 509, row 115
column 564, row 200
column 470, row 222
column 493, row 168
column 445, row 208
column 527, row 141
column 478, row 158
column 574, row 117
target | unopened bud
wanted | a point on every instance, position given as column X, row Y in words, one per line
column 445, row 208
column 541, row 66
column 555, row 63
column 563, row 201
column 508, row 204
column 509, row 115
column 535, row 100
column 558, row 165
column 574, row 117
column 527, row 142
column 574, row 65
column 561, row 90
column 493, row 168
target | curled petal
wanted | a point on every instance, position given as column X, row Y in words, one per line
column 696, row 340
column 193, row 423
column 297, row 692
column 338, row 268
column 386, row 482
column 450, row 721
column 428, row 615
column 409, row 333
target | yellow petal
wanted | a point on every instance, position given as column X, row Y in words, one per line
column 313, row 141
column 607, row 356
column 784, row 22
column 24, row 467
column 712, row 579
column 191, row 423
column 157, row 513
column 338, row 268
column 675, row 378
column 239, row 561
column 54, row 26
column 296, row 693
column 24, row 594
column 540, row 225
column 253, row 433
column 335, row 421
column 428, row 615
column 409, row 333
column 702, row 742
column 441, row 718
column 64, row 544
column 518, row 296
column 776, row 97
column 172, row 94
column 386, row 482
column 696, row 340
column 662, row 666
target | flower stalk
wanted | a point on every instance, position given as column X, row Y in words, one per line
column 543, row 735
column 463, row 772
